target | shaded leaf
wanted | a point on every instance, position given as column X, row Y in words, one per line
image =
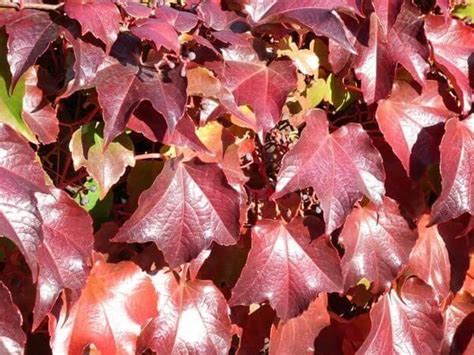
column 12, row 337
column 160, row 33
column 285, row 268
column 341, row 167
column 188, row 206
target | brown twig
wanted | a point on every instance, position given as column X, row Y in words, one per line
column 149, row 156
column 19, row 6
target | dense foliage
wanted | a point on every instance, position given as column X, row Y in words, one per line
column 243, row 176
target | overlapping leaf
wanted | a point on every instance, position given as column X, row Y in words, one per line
column 285, row 268
column 188, row 206
column 456, row 171
column 12, row 337
column 193, row 317
column 117, row 301
column 341, row 167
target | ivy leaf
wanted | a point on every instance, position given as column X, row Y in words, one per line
column 99, row 17
column 12, row 336
column 296, row 336
column 182, row 21
column 189, row 206
column 11, row 103
column 387, row 11
column 429, row 259
column 87, row 60
column 105, row 164
column 122, row 87
column 64, row 251
column 317, row 15
column 29, row 34
column 411, row 122
column 193, row 317
column 160, row 33
column 38, row 113
column 453, row 45
column 108, row 305
column 285, row 268
column 341, row 167
column 377, row 243
column 379, row 53
column 263, row 87
column 457, row 157
column 409, row 323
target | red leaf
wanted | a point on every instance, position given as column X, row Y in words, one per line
column 121, row 88
column 115, row 304
column 453, row 44
column 380, row 53
column 461, row 307
column 457, row 172
column 64, row 252
column 29, row 34
column 377, row 243
column 409, row 323
column 409, row 120
column 387, row 11
column 193, row 318
column 285, row 268
column 182, row 21
column 256, row 330
column 263, row 87
column 12, row 337
column 341, row 167
column 88, row 58
column 429, row 259
column 99, row 17
column 189, row 206
column 38, row 113
column 160, row 33
column 318, row 15
column 296, row 336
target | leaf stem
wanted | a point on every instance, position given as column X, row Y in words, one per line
column 21, row 5
column 149, row 156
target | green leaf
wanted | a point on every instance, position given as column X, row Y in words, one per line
column 88, row 198
column 336, row 93
column 465, row 11
column 316, row 92
column 11, row 106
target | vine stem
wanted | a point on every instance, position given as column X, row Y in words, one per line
column 21, row 5
column 149, row 156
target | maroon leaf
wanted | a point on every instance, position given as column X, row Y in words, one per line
column 263, row 87
column 38, row 112
column 12, row 337
column 409, row 120
column 110, row 308
column 318, row 15
column 377, row 243
column 457, row 172
column 160, row 33
column 256, row 330
column 29, row 34
column 182, row 21
column 409, row 323
column 285, row 268
column 64, row 251
column 429, row 259
column 88, row 58
column 99, row 17
column 387, row 11
column 453, row 44
column 379, row 53
column 296, row 336
column 188, row 206
column 122, row 87
column 193, row 318
column 341, row 167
